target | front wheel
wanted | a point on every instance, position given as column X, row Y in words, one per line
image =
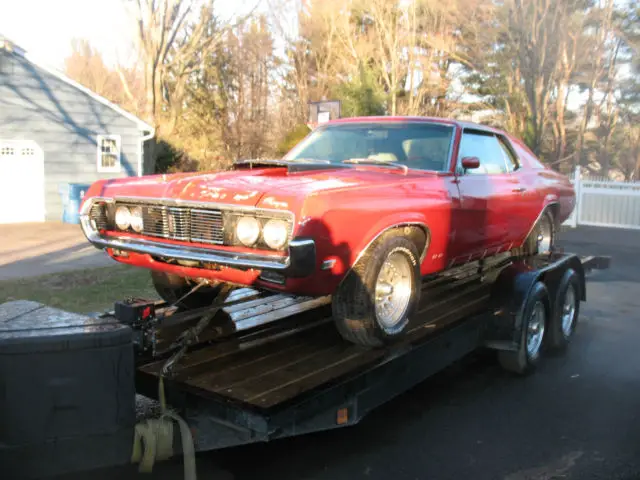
column 374, row 303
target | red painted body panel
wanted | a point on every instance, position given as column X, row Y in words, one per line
column 344, row 209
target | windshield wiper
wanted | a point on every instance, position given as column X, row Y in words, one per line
column 373, row 161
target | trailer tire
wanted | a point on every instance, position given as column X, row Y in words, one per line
column 172, row 287
column 565, row 313
column 357, row 312
column 535, row 313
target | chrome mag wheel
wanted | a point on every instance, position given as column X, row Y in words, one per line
column 545, row 235
column 568, row 311
column 393, row 289
column 535, row 329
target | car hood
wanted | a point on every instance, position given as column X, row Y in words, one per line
column 250, row 187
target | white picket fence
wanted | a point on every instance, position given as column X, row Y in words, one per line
column 605, row 203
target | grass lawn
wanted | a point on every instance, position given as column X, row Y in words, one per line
column 82, row 291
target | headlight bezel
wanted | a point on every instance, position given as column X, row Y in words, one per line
column 231, row 237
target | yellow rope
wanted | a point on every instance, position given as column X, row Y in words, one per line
column 153, row 439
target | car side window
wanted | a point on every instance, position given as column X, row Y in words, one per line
column 487, row 148
column 509, row 155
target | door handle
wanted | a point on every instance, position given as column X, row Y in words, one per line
column 519, row 190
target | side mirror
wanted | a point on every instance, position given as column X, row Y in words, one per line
column 470, row 162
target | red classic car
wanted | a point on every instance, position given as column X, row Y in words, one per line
column 360, row 209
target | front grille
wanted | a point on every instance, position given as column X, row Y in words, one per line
column 99, row 215
column 183, row 223
column 206, row 226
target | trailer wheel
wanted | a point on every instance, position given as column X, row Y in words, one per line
column 565, row 313
column 542, row 239
column 172, row 287
column 534, row 322
column 374, row 303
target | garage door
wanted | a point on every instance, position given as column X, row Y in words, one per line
column 21, row 182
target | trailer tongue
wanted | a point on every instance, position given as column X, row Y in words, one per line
column 258, row 367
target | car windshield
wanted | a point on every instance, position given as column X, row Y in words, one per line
column 424, row 146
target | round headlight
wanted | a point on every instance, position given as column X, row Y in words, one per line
column 136, row 219
column 248, row 230
column 275, row 234
column 123, row 218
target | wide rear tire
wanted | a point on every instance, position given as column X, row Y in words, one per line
column 374, row 303
column 172, row 287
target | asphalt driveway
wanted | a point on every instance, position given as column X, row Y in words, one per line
column 578, row 417
column 32, row 249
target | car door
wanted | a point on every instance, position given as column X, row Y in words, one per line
column 524, row 204
column 487, row 196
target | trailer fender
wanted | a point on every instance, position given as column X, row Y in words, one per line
column 508, row 295
column 511, row 290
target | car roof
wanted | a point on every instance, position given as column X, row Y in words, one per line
column 441, row 120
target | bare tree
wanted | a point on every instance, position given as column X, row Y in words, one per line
column 173, row 37
column 215, row 89
column 594, row 66
column 536, row 27
column 568, row 51
column 435, row 34
column 121, row 85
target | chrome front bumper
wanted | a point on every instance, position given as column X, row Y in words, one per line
column 300, row 262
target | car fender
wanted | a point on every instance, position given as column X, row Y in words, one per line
column 550, row 199
column 549, row 202
column 389, row 222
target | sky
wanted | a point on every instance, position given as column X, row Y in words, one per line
column 45, row 28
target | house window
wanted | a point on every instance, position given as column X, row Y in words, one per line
column 108, row 153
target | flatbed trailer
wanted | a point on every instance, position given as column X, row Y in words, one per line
column 272, row 366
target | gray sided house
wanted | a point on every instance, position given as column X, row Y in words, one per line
column 55, row 132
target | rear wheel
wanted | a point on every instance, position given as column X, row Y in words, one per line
column 375, row 301
column 172, row 288
column 542, row 239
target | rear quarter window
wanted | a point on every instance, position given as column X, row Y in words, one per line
column 526, row 156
